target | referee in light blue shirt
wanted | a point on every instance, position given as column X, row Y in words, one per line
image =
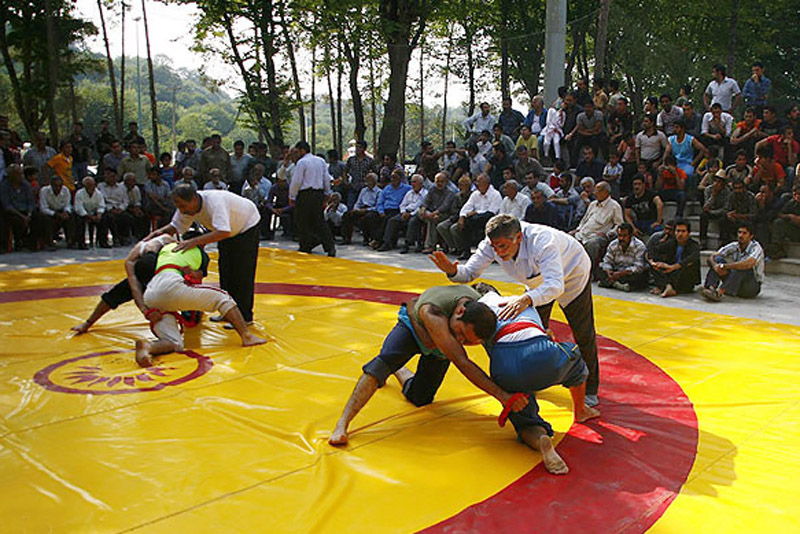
column 311, row 183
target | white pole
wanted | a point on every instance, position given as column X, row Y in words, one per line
column 554, row 49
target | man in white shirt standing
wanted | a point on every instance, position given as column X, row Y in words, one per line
column 602, row 216
column 311, row 184
column 531, row 253
column 483, row 204
column 56, row 209
column 233, row 221
column 722, row 90
column 89, row 208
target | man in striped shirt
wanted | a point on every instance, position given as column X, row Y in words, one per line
column 623, row 266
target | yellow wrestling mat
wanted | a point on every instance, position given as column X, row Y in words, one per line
column 700, row 421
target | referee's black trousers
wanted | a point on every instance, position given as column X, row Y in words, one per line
column 238, row 256
column 310, row 221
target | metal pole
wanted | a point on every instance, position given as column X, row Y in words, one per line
column 138, row 74
column 554, row 48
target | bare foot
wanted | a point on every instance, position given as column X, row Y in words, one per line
column 250, row 340
column 143, row 356
column 669, row 291
column 338, row 437
column 80, row 328
column 585, row 414
column 552, row 461
column 403, row 375
column 655, row 291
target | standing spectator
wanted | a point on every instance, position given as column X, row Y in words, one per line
column 81, row 152
column 61, row 165
column 644, row 209
column 89, row 209
column 736, row 269
column 116, row 216
column 136, row 163
column 483, row 204
column 615, row 96
column 668, row 116
column 103, row 145
column 436, row 206
column 756, row 89
column 114, row 157
column 651, row 144
column 450, row 158
column 715, row 204
column 588, row 131
column 279, row 206
column 215, row 157
column 671, row 183
column 429, row 161
column 599, row 98
column 215, row 182
column 8, row 154
column 479, row 122
column 358, row 166
column 252, row 191
column 623, row 266
column 140, row 225
column 692, row 120
column 553, row 131
column 675, row 265
column 510, row 119
column 166, row 169
column 366, row 202
column 582, row 95
column 56, row 209
column 270, row 165
column 786, row 226
column 334, row 212
column 390, row 164
column 388, row 206
column 240, row 165
column 133, row 136
column 18, row 205
column 159, row 205
column 39, row 154
column 684, row 95
column 741, row 208
column 513, row 202
column 448, row 227
column 311, row 183
column 722, row 90
column 601, row 218
column 542, row 211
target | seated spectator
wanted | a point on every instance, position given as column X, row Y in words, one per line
column 786, row 226
column 715, row 204
column 477, row 163
column 337, row 170
column 675, row 263
column 498, row 136
column 483, row 204
column 429, row 162
column 18, row 204
column 448, row 227
column 644, row 209
column 140, row 225
column 388, row 206
column 435, row 208
column 116, row 217
column 623, row 266
column 620, row 122
column 627, row 151
column 612, row 174
column 159, row 207
column 187, row 177
column 240, row 165
column 257, row 191
column 716, row 130
column 334, row 212
column 589, row 165
column 709, row 172
column 747, row 133
column 769, row 206
column 214, row 182
column 692, row 120
column 588, row 131
column 497, row 163
column 651, row 144
column 166, row 169
column 398, row 224
column 39, row 153
column 485, row 144
column 767, row 171
column 136, row 163
column 657, row 238
column 684, row 147
column 740, row 170
column 771, row 124
column 526, row 164
column 559, row 166
column 741, row 208
column 598, row 223
column 668, row 116
column 480, row 122
column 89, row 209
column 587, row 195
column 567, row 200
column 736, row 269
column 671, row 183
column 278, row 205
column 366, row 202
column 55, row 206
column 529, row 142
column 785, row 149
column 542, row 211
column 536, row 119
column 533, row 183
column 390, row 164
column 514, row 203
column 61, row 165
column 263, row 183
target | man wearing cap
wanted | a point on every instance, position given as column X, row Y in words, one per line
column 714, row 203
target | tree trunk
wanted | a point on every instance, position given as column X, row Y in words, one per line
column 733, row 34
column 23, row 108
column 470, row 35
column 52, row 71
column 301, row 111
column 504, row 78
column 372, row 100
column 313, row 100
column 353, row 55
column 73, row 101
column 446, row 82
column 331, row 100
column 153, row 102
column 339, row 128
column 421, row 94
column 394, row 114
column 111, row 76
column 121, row 124
column 273, row 94
column 601, row 38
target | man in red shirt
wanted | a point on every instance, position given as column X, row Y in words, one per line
column 785, row 149
column 767, row 170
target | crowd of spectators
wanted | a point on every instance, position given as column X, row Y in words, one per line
column 585, row 164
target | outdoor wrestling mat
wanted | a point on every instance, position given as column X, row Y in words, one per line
column 699, row 429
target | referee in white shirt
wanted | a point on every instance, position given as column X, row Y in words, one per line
column 311, row 183
column 532, row 253
column 233, row 221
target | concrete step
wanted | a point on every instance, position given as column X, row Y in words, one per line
column 692, row 208
column 788, row 266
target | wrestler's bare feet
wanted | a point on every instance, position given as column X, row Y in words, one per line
column 552, row 461
column 249, row 340
column 669, row 291
column 585, row 414
column 81, row 328
column 143, row 356
column 338, row 436
column 403, row 375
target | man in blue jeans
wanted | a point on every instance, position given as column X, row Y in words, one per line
column 736, row 269
column 436, row 325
